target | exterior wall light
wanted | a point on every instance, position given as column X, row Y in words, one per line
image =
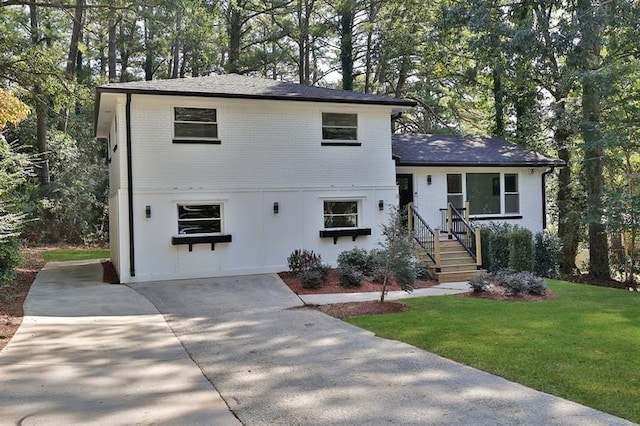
column 381, row 205
column 276, row 208
column 428, row 179
column 147, row 211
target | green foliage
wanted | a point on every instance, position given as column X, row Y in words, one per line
column 521, row 250
column 520, row 283
column 9, row 259
column 548, row 250
column 495, row 246
column 303, row 260
column 480, row 282
column 579, row 346
column 311, row 278
column 15, row 169
column 356, row 258
column 350, row 277
column 397, row 245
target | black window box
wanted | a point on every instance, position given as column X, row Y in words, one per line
column 204, row 239
column 337, row 233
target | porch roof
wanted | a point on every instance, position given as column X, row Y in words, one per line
column 456, row 150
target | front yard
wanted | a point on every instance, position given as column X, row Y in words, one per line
column 583, row 346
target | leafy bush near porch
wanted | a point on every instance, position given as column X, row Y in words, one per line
column 356, row 258
column 548, row 248
column 521, row 250
column 507, row 247
column 520, row 283
column 350, row 277
column 312, row 278
column 302, row 260
column 480, row 282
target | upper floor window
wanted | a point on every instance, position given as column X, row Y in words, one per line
column 200, row 219
column 340, row 214
column 195, row 125
column 339, row 128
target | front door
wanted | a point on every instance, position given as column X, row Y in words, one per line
column 405, row 189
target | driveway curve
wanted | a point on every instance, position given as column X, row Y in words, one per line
column 276, row 365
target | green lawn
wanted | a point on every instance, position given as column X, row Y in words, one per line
column 61, row 255
column 583, row 346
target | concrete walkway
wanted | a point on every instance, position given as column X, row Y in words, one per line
column 94, row 353
column 274, row 365
column 439, row 290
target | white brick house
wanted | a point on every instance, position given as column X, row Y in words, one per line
column 226, row 175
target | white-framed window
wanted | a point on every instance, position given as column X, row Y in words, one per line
column 511, row 193
column 454, row 190
column 341, row 214
column 195, row 125
column 487, row 193
column 339, row 128
column 200, row 218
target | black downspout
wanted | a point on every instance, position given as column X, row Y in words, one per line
column 544, row 197
column 132, row 253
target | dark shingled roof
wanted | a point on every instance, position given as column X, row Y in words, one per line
column 455, row 150
column 239, row 86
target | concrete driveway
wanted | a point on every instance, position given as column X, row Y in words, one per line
column 94, row 353
column 274, row 365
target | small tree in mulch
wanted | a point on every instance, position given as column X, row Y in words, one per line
column 398, row 254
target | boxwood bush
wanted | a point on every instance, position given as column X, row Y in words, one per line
column 548, row 248
column 521, row 250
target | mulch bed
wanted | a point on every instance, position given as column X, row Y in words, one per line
column 12, row 296
column 332, row 285
column 354, row 309
column 589, row 279
column 498, row 293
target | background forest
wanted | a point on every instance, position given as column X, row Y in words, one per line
column 559, row 76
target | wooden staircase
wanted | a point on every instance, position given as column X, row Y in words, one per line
column 452, row 255
column 456, row 264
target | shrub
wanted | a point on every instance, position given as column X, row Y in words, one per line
column 495, row 246
column 9, row 259
column 514, row 284
column 356, row 258
column 302, row 260
column 311, row 278
column 548, row 248
column 521, row 283
column 376, row 261
column 350, row 277
column 521, row 250
column 480, row 282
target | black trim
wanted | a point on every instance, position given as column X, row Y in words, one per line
column 203, row 239
column 336, row 233
column 132, row 253
column 399, row 102
column 497, row 217
column 544, row 197
column 198, row 141
column 341, row 144
column 461, row 164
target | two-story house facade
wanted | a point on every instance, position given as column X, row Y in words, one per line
column 227, row 175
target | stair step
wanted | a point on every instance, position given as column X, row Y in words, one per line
column 465, row 267
column 466, row 261
column 447, row 277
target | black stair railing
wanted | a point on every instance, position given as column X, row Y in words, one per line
column 422, row 233
column 461, row 230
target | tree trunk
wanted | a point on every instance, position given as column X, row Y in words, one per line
column 234, row 33
column 148, row 57
column 347, row 17
column 498, row 101
column 41, row 107
column 591, row 50
column 175, row 72
column 72, row 58
column 111, row 51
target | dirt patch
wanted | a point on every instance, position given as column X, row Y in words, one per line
column 12, row 296
column 332, row 285
column 588, row 279
column 354, row 309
